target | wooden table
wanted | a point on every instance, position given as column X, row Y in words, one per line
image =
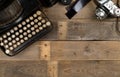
column 81, row 47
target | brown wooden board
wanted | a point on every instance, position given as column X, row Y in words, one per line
column 89, row 69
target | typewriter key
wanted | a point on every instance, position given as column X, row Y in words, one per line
column 15, row 28
column 19, row 25
column 17, row 33
column 25, row 33
column 13, row 41
column 24, row 28
column 21, row 31
column 17, row 39
column 39, row 18
column 48, row 23
column 35, row 15
column 43, row 21
column 22, row 41
column 2, row 44
column 32, row 23
column 28, row 31
column 9, row 39
column 28, row 25
column 32, row 28
column 6, row 46
column 27, row 20
column 12, row 31
column 36, row 20
column 18, row 43
column 26, row 38
column 7, row 51
column 44, row 26
column 23, row 23
column 36, row 26
column 4, row 36
column 9, row 43
column 21, row 36
column 8, row 33
column 14, row 45
column 11, row 48
column 5, row 41
column 31, row 18
column 29, row 35
column 13, row 36
column 39, row 23
column 38, row 12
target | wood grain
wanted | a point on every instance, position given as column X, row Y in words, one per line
column 84, row 50
column 89, row 69
column 23, row 69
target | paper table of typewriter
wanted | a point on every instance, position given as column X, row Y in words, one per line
column 21, row 23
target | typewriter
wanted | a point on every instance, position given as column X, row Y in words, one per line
column 22, row 22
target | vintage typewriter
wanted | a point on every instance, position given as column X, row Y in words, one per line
column 22, row 22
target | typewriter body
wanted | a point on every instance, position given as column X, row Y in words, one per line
column 22, row 22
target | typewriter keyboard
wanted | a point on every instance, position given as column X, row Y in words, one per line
column 25, row 33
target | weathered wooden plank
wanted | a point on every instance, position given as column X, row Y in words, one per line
column 58, row 11
column 83, row 30
column 83, row 50
column 30, row 53
column 23, row 69
column 89, row 69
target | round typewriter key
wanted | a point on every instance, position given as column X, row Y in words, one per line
column 40, row 28
column 35, row 15
column 32, row 28
column 33, row 33
column 17, row 39
column 13, row 41
column 1, row 38
column 15, row 28
column 29, row 35
column 43, row 21
column 21, row 31
column 26, row 38
column 11, row 48
column 13, row 36
column 7, row 51
column 27, row 20
column 17, row 33
column 38, row 12
column 24, row 28
column 48, row 23
column 18, row 43
column 22, row 41
column 6, row 46
column 9, row 39
column 28, row 25
column 37, row 30
column 2, row 44
column 4, row 36
column 39, row 23
column 21, row 36
column 23, row 23
column 25, row 33
column 12, row 31
column 28, row 31
column 36, row 20
column 5, row 41
column 19, row 25
column 44, row 26
column 8, row 33
column 36, row 26
column 31, row 18
column 32, row 23
column 15, row 46
column 39, row 18
column 9, row 43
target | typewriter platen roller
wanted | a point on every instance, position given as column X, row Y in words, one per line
column 22, row 22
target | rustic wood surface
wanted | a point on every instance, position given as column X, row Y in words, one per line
column 81, row 47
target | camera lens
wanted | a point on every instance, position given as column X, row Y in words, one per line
column 9, row 11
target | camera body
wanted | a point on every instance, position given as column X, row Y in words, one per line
column 106, row 8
